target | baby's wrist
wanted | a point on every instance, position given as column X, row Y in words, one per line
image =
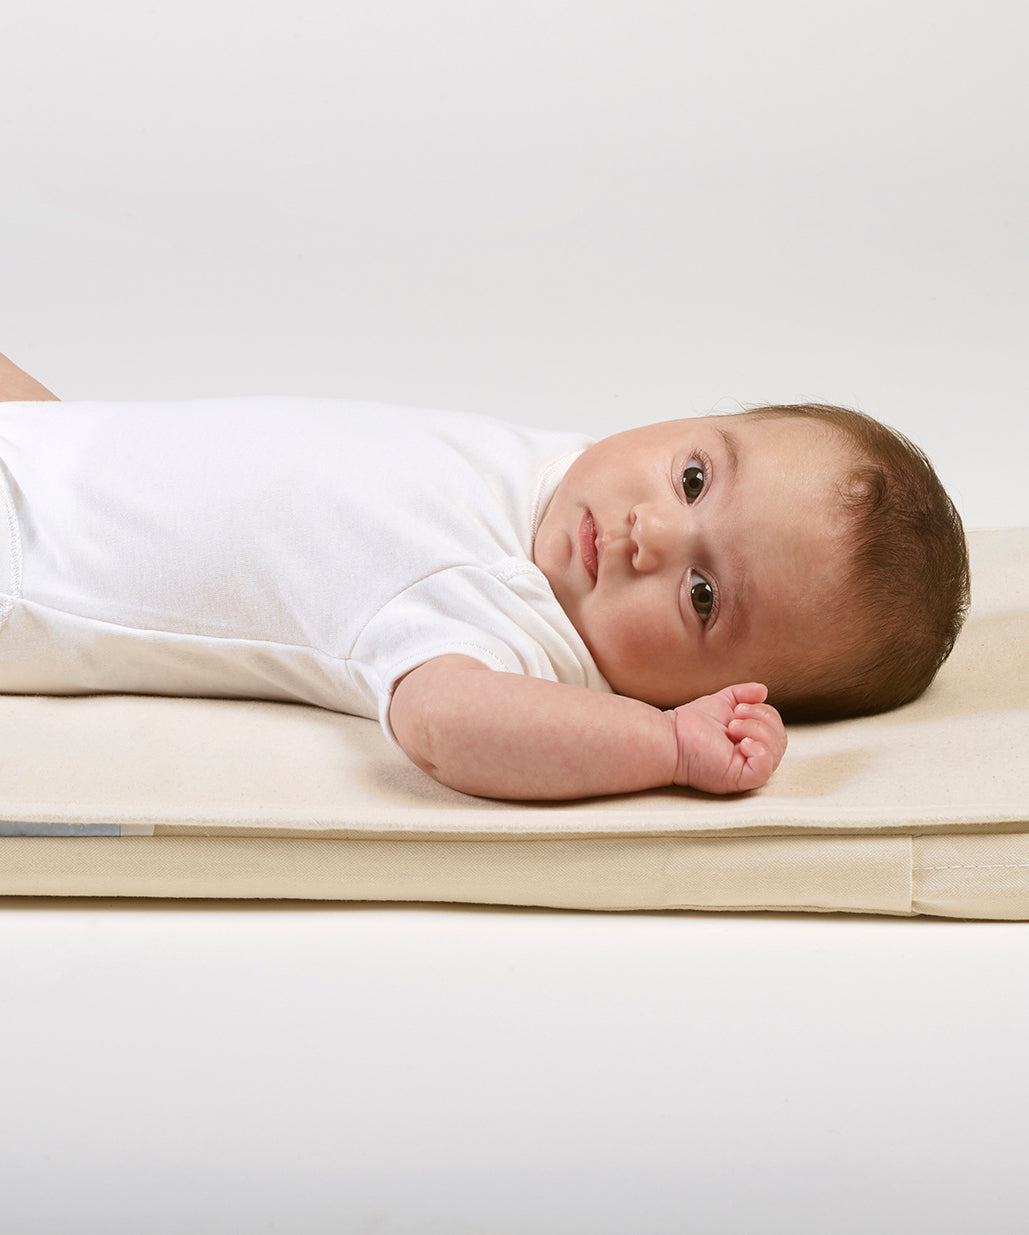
column 680, row 747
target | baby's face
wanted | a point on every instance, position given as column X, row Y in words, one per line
column 694, row 554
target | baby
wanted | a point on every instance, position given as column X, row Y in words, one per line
column 529, row 614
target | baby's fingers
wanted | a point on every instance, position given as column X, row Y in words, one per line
column 763, row 712
column 757, row 730
column 747, row 692
column 753, row 764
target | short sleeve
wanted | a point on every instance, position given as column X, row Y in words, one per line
column 508, row 619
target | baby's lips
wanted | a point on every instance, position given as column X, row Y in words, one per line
column 588, row 550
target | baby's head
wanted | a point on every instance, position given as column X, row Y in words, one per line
column 805, row 546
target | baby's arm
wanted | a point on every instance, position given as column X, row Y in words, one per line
column 503, row 735
column 16, row 386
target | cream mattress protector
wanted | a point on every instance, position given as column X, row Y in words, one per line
column 922, row 810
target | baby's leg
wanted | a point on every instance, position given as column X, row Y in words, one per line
column 16, row 385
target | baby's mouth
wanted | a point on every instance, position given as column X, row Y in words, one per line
column 588, row 544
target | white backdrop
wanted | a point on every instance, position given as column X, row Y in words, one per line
column 590, row 213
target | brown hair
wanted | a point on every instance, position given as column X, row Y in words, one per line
column 907, row 589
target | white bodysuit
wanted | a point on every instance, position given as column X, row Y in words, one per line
column 312, row 550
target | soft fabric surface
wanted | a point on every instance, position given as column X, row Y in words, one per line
column 923, row 810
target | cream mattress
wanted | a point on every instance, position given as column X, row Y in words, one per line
column 921, row 811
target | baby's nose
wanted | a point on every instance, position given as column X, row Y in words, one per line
column 656, row 535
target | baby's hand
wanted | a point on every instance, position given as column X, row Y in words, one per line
column 729, row 742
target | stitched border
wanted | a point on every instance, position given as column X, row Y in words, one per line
column 977, row 866
column 14, row 541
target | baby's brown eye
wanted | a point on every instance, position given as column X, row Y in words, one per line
column 693, row 480
column 702, row 595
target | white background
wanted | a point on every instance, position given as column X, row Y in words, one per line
column 584, row 213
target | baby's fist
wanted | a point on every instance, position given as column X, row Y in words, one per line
column 730, row 741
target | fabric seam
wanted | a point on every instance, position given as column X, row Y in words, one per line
column 178, row 634
column 977, row 866
column 14, row 542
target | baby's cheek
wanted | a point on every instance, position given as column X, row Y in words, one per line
column 636, row 654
